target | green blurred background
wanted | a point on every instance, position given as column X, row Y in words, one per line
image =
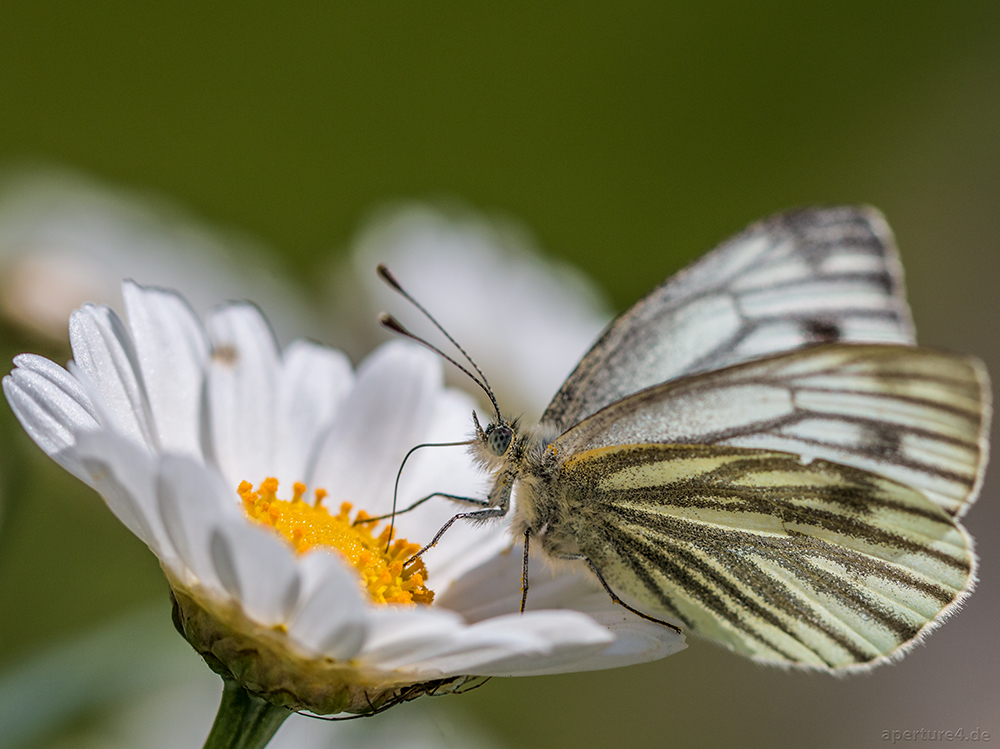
column 630, row 138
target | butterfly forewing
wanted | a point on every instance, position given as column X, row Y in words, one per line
column 916, row 416
column 799, row 278
column 814, row 564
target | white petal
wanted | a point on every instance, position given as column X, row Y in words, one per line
column 494, row 589
column 258, row 569
column 399, row 632
column 171, row 350
column 52, row 407
column 576, row 646
column 314, row 382
column 389, row 408
column 331, row 617
column 104, row 352
column 562, row 639
column 192, row 503
column 500, row 646
column 242, row 394
column 636, row 641
column 125, row 475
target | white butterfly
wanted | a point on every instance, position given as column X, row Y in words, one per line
column 758, row 450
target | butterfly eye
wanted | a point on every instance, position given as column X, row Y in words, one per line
column 499, row 438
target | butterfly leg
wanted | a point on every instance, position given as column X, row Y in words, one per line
column 465, row 500
column 476, row 515
column 616, row 599
column 524, row 571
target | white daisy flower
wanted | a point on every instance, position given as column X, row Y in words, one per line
column 233, row 461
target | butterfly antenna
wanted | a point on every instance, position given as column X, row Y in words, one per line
column 391, row 323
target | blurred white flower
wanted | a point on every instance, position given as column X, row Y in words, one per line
column 65, row 240
column 526, row 320
column 169, row 420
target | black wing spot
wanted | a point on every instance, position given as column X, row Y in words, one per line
column 822, row 331
column 883, row 440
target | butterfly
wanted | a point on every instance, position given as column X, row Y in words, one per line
column 758, row 451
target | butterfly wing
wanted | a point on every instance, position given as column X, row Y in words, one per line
column 837, row 551
column 817, row 565
column 798, row 278
column 916, row 416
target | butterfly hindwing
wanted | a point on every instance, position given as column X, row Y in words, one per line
column 817, row 564
column 798, row 278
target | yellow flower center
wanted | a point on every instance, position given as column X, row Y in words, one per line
column 306, row 525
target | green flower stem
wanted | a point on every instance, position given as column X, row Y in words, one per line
column 244, row 720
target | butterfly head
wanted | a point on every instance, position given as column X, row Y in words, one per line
column 492, row 444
